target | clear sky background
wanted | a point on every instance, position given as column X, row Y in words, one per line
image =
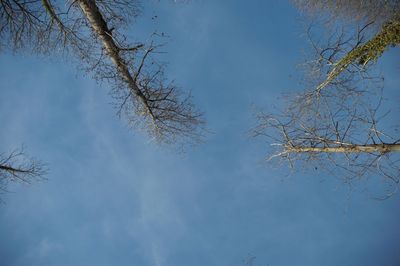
column 115, row 198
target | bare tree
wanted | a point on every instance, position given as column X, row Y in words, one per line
column 338, row 131
column 379, row 19
column 364, row 11
column 362, row 53
column 337, row 124
column 146, row 97
column 16, row 166
column 94, row 33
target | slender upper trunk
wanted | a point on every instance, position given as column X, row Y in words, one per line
column 380, row 148
column 100, row 28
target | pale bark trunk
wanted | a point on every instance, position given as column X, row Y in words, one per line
column 381, row 148
column 99, row 26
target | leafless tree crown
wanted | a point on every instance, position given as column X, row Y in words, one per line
column 355, row 54
column 18, row 167
column 94, row 32
column 338, row 131
column 375, row 26
column 336, row 123
column 364, row 11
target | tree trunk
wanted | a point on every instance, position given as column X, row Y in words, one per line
column 100, row 28
column 371, row 148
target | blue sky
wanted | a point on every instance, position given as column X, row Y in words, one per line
column 113, row 197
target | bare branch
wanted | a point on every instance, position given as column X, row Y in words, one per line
column 18, row 167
